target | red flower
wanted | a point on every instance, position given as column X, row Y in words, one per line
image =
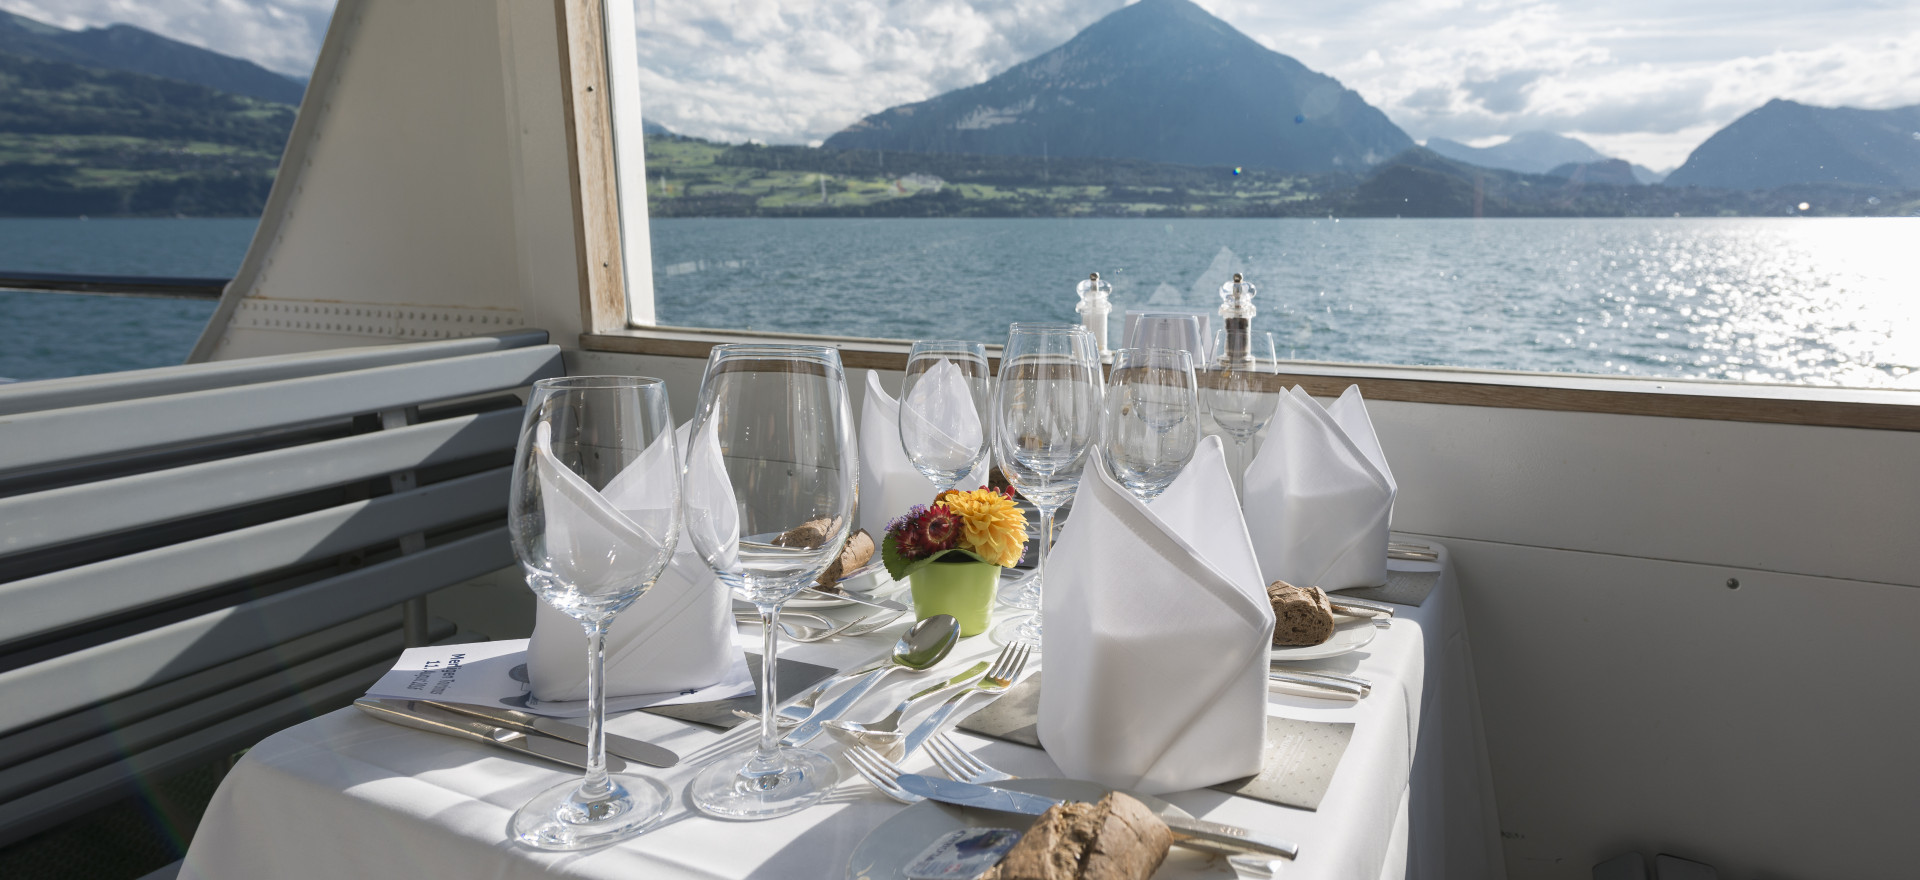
column 938, row 529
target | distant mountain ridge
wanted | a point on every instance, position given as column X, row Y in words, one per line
column 1532, row 152
column 127, row 48
column 1160, row 81
column 1786, row 142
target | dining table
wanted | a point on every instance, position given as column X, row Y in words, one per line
column 348, row 795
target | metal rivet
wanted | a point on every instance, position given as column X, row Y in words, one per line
column 1733, row 583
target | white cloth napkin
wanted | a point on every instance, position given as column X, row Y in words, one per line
column 889, row 483
column 938, row 418
column 1319, row 496
column 676, row 637
column 1158, row 632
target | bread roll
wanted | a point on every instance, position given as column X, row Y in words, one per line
column 1115, row 839
column 858, row 551
column 1301, row 615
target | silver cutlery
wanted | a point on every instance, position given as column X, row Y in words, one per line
column 960, row 763
column 625, row 747
column 411, row 713
column 1005, row 671
column 1190, row 833
column 888, row 604
column 921, row 647
column 1358, row 607
column 1366, row 687
column 1339, row 689
column 883, row 735
column 825, row 628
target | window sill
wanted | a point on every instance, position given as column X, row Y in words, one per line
column 1873, row 409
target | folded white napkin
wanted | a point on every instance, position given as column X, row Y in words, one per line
column 676, row 637
column 1158, row 632
column 889, row 483
column 938, row 417
column 1319, row 496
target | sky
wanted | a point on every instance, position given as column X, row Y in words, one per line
column 1644, row 80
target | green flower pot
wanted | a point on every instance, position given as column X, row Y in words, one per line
column 962, row 589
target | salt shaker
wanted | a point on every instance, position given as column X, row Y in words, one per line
column 1236, row 313
column 1094, row 307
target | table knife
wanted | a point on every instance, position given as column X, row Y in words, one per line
column 889, row 604
column 1365, row 606
column 1337, row 684
column 1185, row 831
column 414, row 714
column 628, row 748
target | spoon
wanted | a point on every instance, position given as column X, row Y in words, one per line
column 924, row 644
column 884, row 736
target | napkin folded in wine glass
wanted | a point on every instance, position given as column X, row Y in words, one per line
column 1158, row 632
column 889, row 483
column 1319, row 496
column 677, row 636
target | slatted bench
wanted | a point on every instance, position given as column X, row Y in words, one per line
column 194, row 557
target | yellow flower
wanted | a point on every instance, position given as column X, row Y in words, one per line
column 991, row 525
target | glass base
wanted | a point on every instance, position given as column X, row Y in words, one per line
column 560, row 819
column 739, row 786
column 1023, row 594
column 1020, row 629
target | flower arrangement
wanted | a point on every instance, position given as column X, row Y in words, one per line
column 980, row 525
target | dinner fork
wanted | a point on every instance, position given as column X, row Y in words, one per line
column 961, row 764
column 1006, row 670
column 882, row 773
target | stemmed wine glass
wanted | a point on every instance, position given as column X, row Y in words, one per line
column 770, row 479
column 1236, row 394
column 593, row 515
column 1046, row 416
column 1152, row 422
column 943, row 406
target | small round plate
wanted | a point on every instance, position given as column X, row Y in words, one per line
column 1350, row 636
column 889, row 848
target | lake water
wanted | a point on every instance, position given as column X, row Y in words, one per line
column 1820, row 301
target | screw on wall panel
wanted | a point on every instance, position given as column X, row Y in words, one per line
column 1733, row 583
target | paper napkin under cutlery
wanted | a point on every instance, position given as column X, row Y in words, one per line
column 1157, row 635
column 677, row 637
column 1319, row 496
column 889, row 483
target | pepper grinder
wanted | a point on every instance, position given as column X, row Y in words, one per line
column 1094, row 308
column 1236, row 313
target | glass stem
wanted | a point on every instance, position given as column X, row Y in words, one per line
column 769, row 677
column 595, row 785
column 1046, row 544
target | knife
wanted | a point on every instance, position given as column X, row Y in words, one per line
column 414, row 714
column 628, row 748
column 1325, row 688
column 1185, row 831
column 1367, row 606
column 889, row 604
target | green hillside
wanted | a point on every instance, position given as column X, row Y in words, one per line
column 78, row 140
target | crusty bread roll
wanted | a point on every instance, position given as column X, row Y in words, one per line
column 858, row 551
column 1301, row 615
column 1115, row 839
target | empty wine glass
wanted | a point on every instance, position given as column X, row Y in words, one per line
column 1046, row 416
column 593, row 517
column 770, row 480
column 1168, row 330
column 1152, row 422
column 1240, row 394
column 943, row 405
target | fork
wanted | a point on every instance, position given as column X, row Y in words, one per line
column 808, row 635
column 960, row 764
column 1006, row 670
column 1190, row 833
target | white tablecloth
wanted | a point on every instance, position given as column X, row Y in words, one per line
column 346, row 795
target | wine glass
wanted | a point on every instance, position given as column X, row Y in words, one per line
column 593, row 516
column 942, row 409
column 1168, row 330
column 1152, row 422
column 770, row 480
column 1046, row 416
column 1240, row 394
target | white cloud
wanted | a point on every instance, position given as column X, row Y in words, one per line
column 280, row 35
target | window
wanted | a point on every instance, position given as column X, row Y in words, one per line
column 1632, row 191
column 136, row 143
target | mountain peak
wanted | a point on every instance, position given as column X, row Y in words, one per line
column 1160, row 80
column 1785, row 142
column 137, row 50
